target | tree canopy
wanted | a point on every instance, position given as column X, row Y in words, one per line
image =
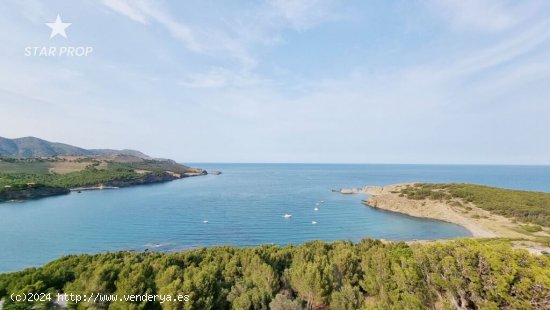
column 467, row 274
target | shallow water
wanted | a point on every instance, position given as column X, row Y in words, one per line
column 243, row 206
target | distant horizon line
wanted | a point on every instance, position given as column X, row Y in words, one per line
column 340, row 163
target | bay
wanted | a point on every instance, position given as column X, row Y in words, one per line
column 244, row 206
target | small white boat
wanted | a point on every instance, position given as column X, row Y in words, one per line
column 287, row 216
column 315, row 209
column 313, row 222
column 205, row 222
column 322, row 201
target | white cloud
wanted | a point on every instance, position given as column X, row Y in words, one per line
column 199, row 39
column 144, row 10
column 239, row 34
column 219, row 77
column 474, row 15
column 491, row 55
column 303, row 14
column 125, row 8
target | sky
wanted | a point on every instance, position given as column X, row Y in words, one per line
column 309, row 81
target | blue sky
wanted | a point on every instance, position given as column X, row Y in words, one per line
column 285, row 81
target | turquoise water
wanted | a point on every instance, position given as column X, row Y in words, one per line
column 243, row 206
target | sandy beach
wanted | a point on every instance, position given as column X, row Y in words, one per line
column 480, row 223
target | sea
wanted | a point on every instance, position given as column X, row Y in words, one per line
column 243, row 206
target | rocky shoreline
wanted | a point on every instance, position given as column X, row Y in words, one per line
column 32, row 193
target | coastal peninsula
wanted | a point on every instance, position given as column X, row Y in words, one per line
column 33, row 168
column 487, row 212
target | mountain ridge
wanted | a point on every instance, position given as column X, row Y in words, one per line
column 35, row 147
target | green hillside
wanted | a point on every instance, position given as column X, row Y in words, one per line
column 35, row 147
column 27, row 178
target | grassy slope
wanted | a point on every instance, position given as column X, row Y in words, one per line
column 31, row 167
column 525, row 206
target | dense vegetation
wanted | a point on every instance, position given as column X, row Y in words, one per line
column 526, row 206
column 152, row 165
column 87, row 176
column 464, row 274
column 22, row 178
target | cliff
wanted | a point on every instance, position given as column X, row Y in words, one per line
column 31, row 192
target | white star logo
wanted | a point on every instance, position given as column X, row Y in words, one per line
column 58, row 27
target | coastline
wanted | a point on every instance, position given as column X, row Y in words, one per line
column 387, row 199
column 480, row 223
column 38, row 192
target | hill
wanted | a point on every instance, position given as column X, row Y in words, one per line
column 34, row 168
column 35, row 147
column 28, row 178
